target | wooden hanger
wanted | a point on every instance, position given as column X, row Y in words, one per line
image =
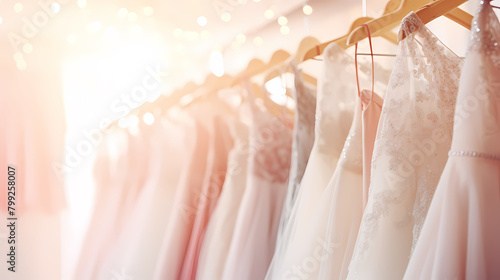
column 387, row 22
column 208, row 89
column 257, row 66
column 274, row 108
column 342, row 41
column 287, row 69
column 305, row 44
column 436, row 9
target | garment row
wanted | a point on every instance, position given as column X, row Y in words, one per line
column 358, row 185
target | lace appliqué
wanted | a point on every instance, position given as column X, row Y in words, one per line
column 416, row 130
column 483, row 36
column 270, row 142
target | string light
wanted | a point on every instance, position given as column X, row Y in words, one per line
column 55, row 7
column 282, row 20
column 27, row 48
column 269, row 14
column 18, row 7
column 258, row 41
column 307, row 9
column 21, row 65
column 226, row 16
column 202, row 21
column 285, row 30
column 18, row 56
column 241, row 38
column 148, row 118
column 217, row 63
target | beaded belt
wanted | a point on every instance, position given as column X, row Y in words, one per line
column 473, row 154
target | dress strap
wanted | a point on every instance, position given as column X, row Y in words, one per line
column 356, row 61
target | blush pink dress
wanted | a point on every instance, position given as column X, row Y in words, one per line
column 136, row 249
column 254, row 238
column 220, row 228
column 460, row 238
column 181, row 219
column 220, row 144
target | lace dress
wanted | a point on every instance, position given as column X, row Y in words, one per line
column 256, row 228
column 410, row 151
column 303, row 140
column 460, row 236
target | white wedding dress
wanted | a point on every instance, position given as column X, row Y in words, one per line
column 303, row 140
column 413, row 140
column 460, row 238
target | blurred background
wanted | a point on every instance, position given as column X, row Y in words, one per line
column 91, row 62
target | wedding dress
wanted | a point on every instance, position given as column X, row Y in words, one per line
column 221, row 143
column 460, row 236
column 303, row 140
column 413, row 139
column 334, row 113
column 220, row 228
column 137, row 249
column 180, row 222
column 256, row 228
column 345, row 197
column 114, row 202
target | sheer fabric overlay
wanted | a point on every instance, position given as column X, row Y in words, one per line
column 459, row 238
column 410, row 151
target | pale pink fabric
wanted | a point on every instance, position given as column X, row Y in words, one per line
column 220, row 144
column 460, row 238
column 254, row 237
column 219, row 232
column 114, row 203
column 32, row 136
column 136, row 250
column 180, row 225
column 372, row 108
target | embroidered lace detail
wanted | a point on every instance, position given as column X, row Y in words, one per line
column 484, row 37
column 415, row 133
column 335, row 100
column 351, row 157
column 305, row 111
column 270, row 143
